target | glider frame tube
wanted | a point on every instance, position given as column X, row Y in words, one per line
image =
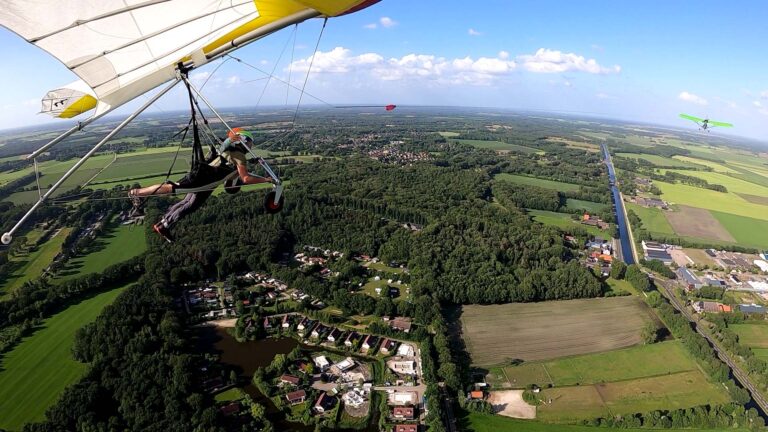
column 261, row 160
column 7, row 237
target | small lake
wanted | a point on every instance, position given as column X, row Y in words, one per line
column 247, row 357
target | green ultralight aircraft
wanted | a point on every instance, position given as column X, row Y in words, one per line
column 705, row 124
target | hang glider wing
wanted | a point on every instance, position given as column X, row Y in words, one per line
column 719, row 124
column 121, row 49
column 689, row 117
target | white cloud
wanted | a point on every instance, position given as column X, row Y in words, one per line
column 764, row 94
column 757, row 104
column 690, row 97
column 371, row 26
column 552, row 61
column 468, row 70
column 387, row 22
column 233, row 80
column 200, row 76
column 473, row 32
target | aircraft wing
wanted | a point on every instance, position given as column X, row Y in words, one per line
column 690, row 117
column 720, row 124
column 121, row 49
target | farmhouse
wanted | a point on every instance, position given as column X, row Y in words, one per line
column 387, row 346
column 689, row 279
column 403, row 413
column 296, row 397
column 651, row 202
column 401, row 323
column 587, row 219
column 752, row 309
column 352, row 338
column 324, row 403
column 712, row 307
column 334, row 335
column 290, row 379
column 370, row 342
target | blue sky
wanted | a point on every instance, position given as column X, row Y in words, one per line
column 645, row 60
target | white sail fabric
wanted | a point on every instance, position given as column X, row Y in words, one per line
column 123, row 48
column 69, row 101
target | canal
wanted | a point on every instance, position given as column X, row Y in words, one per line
column 621, row 219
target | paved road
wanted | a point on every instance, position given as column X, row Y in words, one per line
column 739, row 374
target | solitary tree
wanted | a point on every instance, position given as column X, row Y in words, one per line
column 649, row 333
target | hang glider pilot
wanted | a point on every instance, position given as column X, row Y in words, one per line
column 203, row 179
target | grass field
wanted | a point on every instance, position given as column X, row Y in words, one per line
column 585, row 205
column 747, row 231
column 32, row 265
column 496, row 334
column 476, row 422
column 497, row 145
column 449, row 134
column 643, row 361
column 621, row 285
column 34, row 373
column 533, row 181
column 679, row 390
column 714, row 165
column 370, row 289
column 734, row 185
column 658, row 160
column 653, row 218
column 752, row 335
column 711, row 200
column 564, row 221
column 116, row 245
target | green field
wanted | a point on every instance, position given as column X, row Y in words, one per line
column 658, row 160
column 117, row 244
column 653, row 218
column 589, row 206
column 34, row 373
column 497, row 145
column 564, row 221
column 32, row 265
column 621, row 285
column 747, row 231
column 751, row 335
column 533, row 181
column 475, row 422
column 631, row 363
column 370, row 288
column 711, row 200
column 733, row 184
column 714, row 165
column 674, row 391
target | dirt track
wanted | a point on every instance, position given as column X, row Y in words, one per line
column 510, row 403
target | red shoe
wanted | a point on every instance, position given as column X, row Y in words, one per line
column 163, row 232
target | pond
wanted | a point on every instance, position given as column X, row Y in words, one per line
column 247, row 357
